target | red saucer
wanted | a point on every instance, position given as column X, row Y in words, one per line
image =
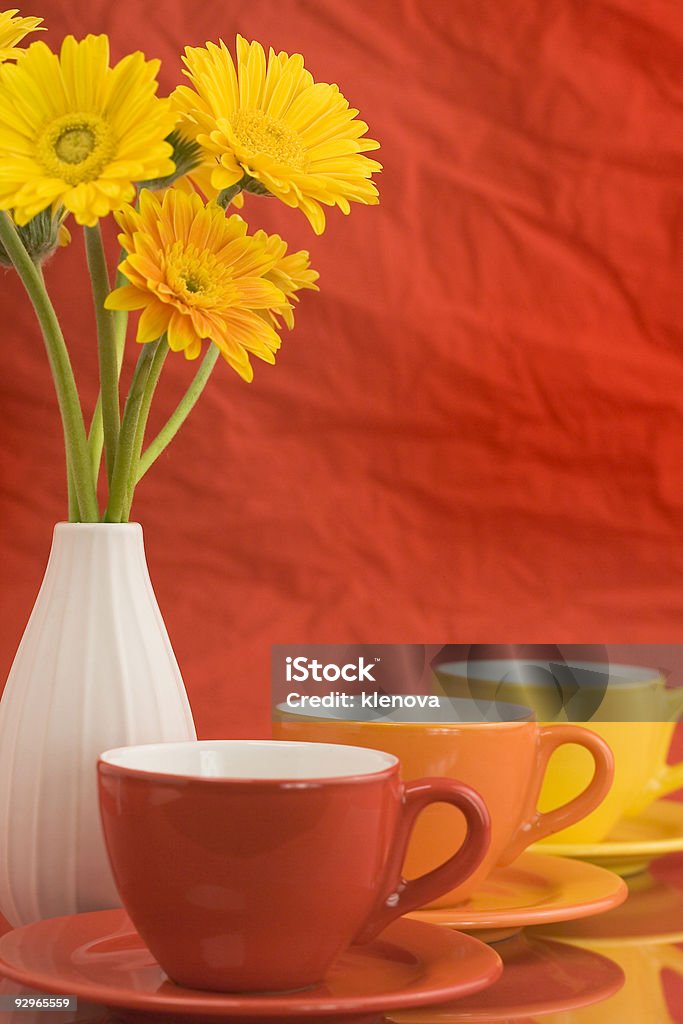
column 100, row 958
column 539, row 977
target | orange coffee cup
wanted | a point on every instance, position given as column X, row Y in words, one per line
column 504, row 761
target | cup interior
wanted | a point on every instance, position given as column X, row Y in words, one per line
column 539, row 672
column 249, row 760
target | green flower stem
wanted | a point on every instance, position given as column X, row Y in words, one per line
column 118, row 490
column 72, row 500
column 180, row 414
column 74, row 511
column 96, row 432
column 160, row 353
column 96, row 440
column 60, row 365
column 106, row 344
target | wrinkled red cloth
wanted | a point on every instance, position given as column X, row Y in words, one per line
column 475, row 433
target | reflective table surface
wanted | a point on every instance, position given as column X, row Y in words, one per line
column 622, row 967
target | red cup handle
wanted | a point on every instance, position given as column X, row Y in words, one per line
column 403, row 896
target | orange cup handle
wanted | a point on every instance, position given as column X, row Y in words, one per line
column 403, row 896
column 540, row 825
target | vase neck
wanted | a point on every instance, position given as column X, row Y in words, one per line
column 103, row 543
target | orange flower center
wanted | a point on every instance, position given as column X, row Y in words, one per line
column 195, row 277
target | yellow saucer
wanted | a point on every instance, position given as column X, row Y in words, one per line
column 534, row 890
column 633, row 844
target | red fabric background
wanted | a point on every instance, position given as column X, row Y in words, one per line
column 476, row 432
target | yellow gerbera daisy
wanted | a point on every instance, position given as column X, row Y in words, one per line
column 74, row 131
column 270, row 123
column 196, row 274
column 12, row 31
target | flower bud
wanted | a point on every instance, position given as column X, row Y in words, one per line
column 41, row 236
column 187, row 155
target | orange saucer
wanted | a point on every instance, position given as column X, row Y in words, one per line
column 536, row 889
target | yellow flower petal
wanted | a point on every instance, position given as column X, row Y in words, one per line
column 181, row 333
column 126, row 297
column 12, row 30
column 153, row 322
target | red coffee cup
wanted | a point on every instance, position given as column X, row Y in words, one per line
column 251, row 865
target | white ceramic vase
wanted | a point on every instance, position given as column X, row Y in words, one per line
column 94, row 670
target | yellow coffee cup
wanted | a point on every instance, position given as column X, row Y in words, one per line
column 641, row 775
column 632, row 711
